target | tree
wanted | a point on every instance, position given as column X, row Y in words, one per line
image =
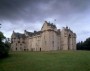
column 87, row 44
column 80, row 46
column 2, row 37
column 84, row 45
column 4, row 46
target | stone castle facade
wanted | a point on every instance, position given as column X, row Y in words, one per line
column 47, row 39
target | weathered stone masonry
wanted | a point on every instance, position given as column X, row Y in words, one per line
column 47, row 39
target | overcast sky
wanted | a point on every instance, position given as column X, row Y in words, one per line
column 19, row 15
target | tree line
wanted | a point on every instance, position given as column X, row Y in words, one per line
column 84, row 45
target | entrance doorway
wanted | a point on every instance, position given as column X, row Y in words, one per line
column 40, row 49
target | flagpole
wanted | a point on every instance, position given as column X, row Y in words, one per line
column 55, row 21
column 0, row 25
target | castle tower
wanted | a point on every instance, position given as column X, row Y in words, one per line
column 68, row 39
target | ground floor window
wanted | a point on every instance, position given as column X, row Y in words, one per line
column 16, row 49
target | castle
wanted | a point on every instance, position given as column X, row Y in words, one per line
column 47, row 39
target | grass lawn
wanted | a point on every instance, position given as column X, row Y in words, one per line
column 47, row 61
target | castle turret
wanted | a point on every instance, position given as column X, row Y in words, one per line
column 68, row 39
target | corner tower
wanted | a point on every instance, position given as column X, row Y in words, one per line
column 68, row 39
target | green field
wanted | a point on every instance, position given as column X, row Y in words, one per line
column 47, row 61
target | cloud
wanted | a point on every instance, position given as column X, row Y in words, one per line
column 30, row 14
column 32, row 10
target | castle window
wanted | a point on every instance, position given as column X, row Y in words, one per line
column 16, row 48
column 24, row 49
column 14, row 38
column 65, row 36
column 18, row 41
column 23, row 42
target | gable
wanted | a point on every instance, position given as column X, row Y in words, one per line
column 44, row 27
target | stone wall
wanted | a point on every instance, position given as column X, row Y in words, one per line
column 48, row 39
